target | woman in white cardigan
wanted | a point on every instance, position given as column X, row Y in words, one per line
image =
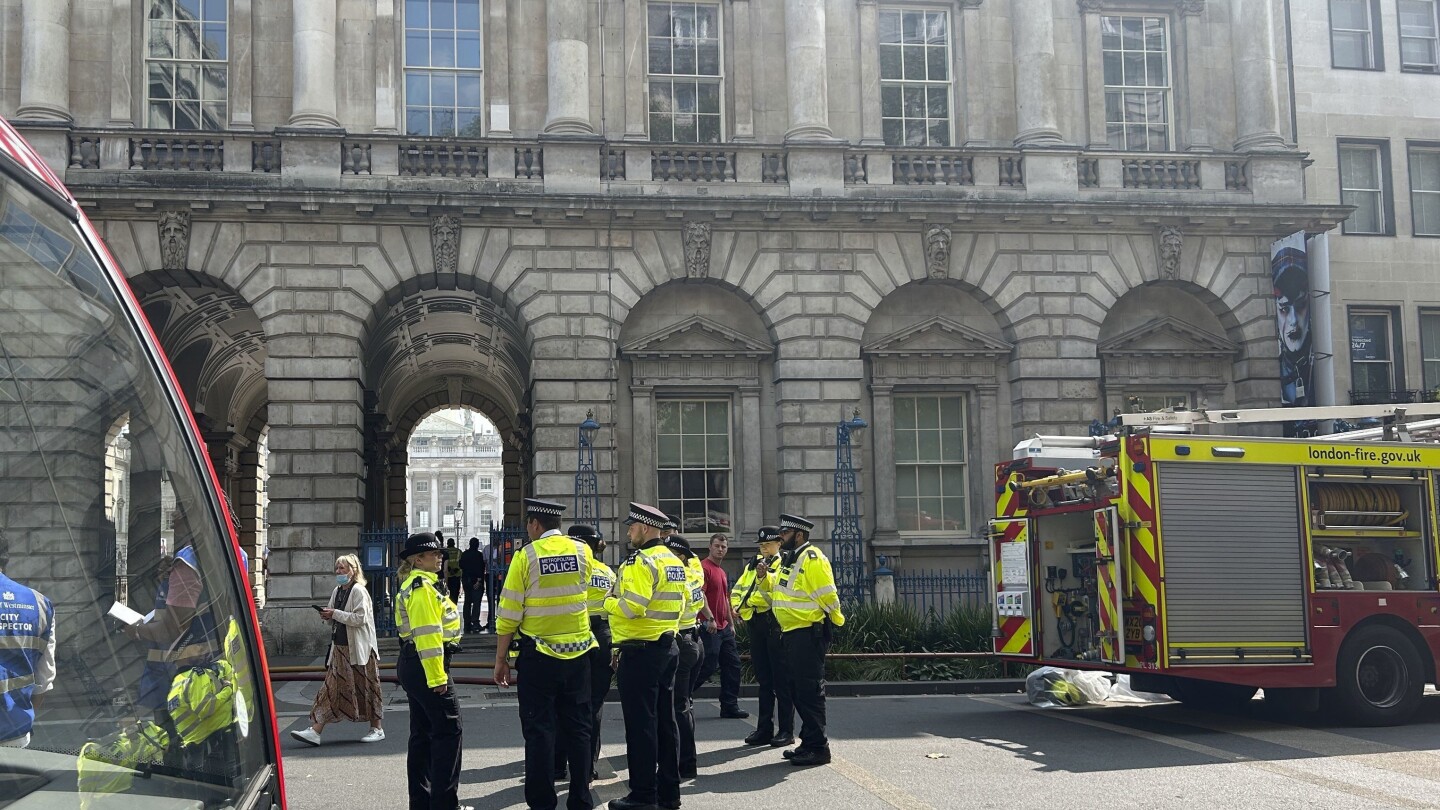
column 352, row 670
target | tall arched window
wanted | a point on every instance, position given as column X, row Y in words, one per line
column 443, row 78
column 186, row 64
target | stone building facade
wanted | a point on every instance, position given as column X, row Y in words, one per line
column 1365, row 82
column 721, row 227
column 455, row 476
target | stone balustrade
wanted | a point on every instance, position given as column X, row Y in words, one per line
column 393, row 162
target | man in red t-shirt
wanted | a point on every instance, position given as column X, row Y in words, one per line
column 719, row 636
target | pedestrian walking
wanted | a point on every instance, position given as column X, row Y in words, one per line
column 429, row 628
column 351, row 691
column 649, row 595
column 721, row 652
column 27, row 656
column 472, row 571
column 543, row 611
column 691, row 652
column 807, row 606
column 776, row 724
column 602, row 583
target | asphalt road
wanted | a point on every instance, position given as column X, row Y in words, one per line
column 919, row 753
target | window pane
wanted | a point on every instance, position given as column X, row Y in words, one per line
column 1135, row 69
column 905, row 447
column 467, row 15
column 927, row 412
column 467, row 49
column 442, row 90
column 417, row 120
column 928, row 445
column 1427, row 214
column 914, row 28
column 1352, row 14
column 889, row 28
column 893, row 130
column 938, row 68
column 442, row 49
column 442, row 13
column 417, row 49
column 667, row 417
column 214, row 47
column 685, row 97
column 1349, row 49
column 890, row 62
column 717, row 451
column 914, row 102
column 939, row 133
column 1418, row 53
column 928, row 481
column 1156, row 74
column 950, row 413
column 905, row 485
column 467, row 90
column 890, row 104
column 683, row 52
column 1367, row 216
column 1155, row 34
column 709, row 58
column 1359, row 168
column 939, row 102
column 669, row 486
column 914, row 62
column 417, row 13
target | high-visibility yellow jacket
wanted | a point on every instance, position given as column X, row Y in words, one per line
column 694, row 593
column 803, row 593
column 544, row 596
column 425, row 616
column 602, row 582
column 649, row 594
column 747, row 597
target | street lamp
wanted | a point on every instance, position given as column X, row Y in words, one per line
column 587, row 485
column 846, row 539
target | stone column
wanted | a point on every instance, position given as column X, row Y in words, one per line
column 805, row 71
column 567, row 68
column 972, row 90
column 434, row 501
column 387, row 68
column 314, row 61
column 45, row 60
column 1191, row 65
column 242, row 64
column 636, row 110
column 643, row 442
column 742, row 85
column 1032, row 28
column 882, row 437
column 752, row 452
column 1094, row 76
column 122, row 83
column 871, row 131
column 1254, row 24
column 497, row 68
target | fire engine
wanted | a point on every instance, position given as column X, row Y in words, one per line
column 1210, row 566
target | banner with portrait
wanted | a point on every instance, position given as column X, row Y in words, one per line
column 1290, row 277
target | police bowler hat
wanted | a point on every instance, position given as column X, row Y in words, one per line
column 419, row 544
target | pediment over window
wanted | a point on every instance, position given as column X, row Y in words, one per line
column 697, row 337
column 1171, row 337
column 938, row 337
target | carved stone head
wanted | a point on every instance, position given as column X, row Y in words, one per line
column 1172, row 242
column 937, row 251
column 445, row 243
column 174, row 227
column 697, row 249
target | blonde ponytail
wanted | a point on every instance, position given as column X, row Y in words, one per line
column 406, row 566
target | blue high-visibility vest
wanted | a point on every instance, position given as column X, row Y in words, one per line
column 26, row 625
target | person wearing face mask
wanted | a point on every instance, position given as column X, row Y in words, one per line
column 351, row 691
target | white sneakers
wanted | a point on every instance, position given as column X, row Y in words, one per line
column 309, row 736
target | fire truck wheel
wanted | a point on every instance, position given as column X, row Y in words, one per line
column 1379, row 678
column 1209, row 695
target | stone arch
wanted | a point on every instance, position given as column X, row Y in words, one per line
column 471, row 497
column 1168, row 344
column 435, row 342
column 703, row 348
column 935, row 351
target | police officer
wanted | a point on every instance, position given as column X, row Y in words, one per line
column 543, row 611
column 649, row 596
column 429, row 628
column 602, row 582
column 752, row 604
column 806, row 605
column 691, row 649
column 27, row 657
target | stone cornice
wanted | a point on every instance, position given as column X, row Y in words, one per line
column 719, row 342
column 948, row 339
column 1193, row 341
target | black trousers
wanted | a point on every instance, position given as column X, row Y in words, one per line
column 600, row 679
column 805, row 663
column 646, row 678
column 554, row 711
column 433, row 764
column 474, row 597
column 777, row 711
column 691, row 654
column 721, row 654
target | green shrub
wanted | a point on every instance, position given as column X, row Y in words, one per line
column 875, row 628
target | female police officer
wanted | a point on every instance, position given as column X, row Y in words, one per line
column 429, row 629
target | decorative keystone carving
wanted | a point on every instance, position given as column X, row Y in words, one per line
column 1091, row 6
column 697, row 250
column 445, row 243
column 1172, row 241
column 937, row 251
column 174, row 229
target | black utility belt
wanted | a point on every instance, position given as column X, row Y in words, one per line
column 691, row 632
column 408, row 648
column 817, row 628
column 637, row 644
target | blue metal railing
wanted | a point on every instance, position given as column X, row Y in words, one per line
column 380, row 549
column 504, row 542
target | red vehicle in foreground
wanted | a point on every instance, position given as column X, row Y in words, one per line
column 152, row 693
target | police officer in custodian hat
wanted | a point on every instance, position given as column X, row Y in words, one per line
column 602, row 582
column 429, row 629
column 752, row 604
column 649, row 596
column 807, row 606
column 543, row 611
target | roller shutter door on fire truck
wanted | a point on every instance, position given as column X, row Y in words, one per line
column 1231, row 549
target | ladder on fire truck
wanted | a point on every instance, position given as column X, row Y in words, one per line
column 1393, row 427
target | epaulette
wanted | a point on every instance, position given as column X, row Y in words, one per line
column 812, row 554
column 634, row 555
